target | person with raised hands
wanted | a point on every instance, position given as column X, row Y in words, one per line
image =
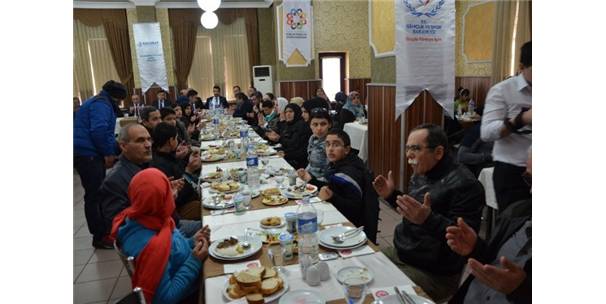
column 168, row 265
column 501, row 270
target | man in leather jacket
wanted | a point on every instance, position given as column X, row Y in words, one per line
column 440, row 192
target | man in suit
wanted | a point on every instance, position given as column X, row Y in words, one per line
column 136, row 107
column 162, row 100
column 216, row 100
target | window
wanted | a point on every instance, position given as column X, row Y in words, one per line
column 332, row 73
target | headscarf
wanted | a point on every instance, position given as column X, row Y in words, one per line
column 152, row 205
column 282, row 102
column 297, row 111
column 357, row 110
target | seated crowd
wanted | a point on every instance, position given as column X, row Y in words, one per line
column 148, row 204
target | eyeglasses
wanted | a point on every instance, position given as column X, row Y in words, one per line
column 318, row 110
column 415, row 148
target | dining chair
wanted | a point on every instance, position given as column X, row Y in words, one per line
column 128, row 261
column 135, row 297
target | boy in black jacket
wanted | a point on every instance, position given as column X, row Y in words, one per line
column 349, row 187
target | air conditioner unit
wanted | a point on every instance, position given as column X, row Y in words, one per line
column 263, row 79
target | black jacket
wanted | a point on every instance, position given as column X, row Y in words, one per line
column 454, row 192
column 172, row 167
column 222, row 99
column 353, row 193
column 294, row 138
column 511, row 220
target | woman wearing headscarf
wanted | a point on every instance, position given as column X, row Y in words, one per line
column 293, row 134
column 280, row 105
column 167, row 265
column 352, row 110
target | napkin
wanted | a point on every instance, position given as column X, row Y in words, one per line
column 231, row 268
column 386, row 291
column 348, row 253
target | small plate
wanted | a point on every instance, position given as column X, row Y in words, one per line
column 361, row 273
column 282, row 223
column 212, row 157
column 213, row 190
column 255, row 245
column 325, row 238
column 302, row 296
column 309, row 191
column 208, row 203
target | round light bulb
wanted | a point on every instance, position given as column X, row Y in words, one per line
column 209, row 20
column 209, row 5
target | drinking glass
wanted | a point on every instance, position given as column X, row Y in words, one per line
column 354, row 289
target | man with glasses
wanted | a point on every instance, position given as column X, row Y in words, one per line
column 440, row 192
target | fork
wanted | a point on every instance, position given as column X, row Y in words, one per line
column 404, row 296
column 340, row 238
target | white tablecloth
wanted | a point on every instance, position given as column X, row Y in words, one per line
column 486, row 179
column 358, row 134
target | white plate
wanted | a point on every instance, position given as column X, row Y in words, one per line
column 208, row 137
column 302, row 296
column 343, row 248
column 268, row 299
column 361, row 273
column 212, row 190
column 207, row 178
column 293, row 195
column 325, row 237
column 224, row 204
column 214, row 157
column 255, row 245
column 393, row 299
column 282, row 223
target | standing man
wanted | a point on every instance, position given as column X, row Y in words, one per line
column 135, row 109
column 95, row 150
column 507, row 121
column 217, row 100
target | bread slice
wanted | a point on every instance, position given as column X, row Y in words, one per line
column 251, row 289
column 235, row 292
column 270, row 286
column 269, row 273
column 246, row 279
column 255, row 298
column 256, row 271
column 232, row 280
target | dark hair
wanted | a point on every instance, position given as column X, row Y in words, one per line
column 267, row 104
column 145, row 112
column 342, row 135
column 162, row 133
column 526, row 54
column 320, row 113
column 313, row 103
column 464, row 92
column 271, row 96
column 237, row 86
column 199, row 99
column 217, row 87
column 242, row 96
column 187, row 105
column 435, row 136
column 191, row 93
column 115, row 89
column 259, row 95
column 166, row 111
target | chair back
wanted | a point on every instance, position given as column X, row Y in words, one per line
column 128, row 261
column 135, row 297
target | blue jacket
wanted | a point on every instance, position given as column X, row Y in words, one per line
column 182, row 273
column 94, row 127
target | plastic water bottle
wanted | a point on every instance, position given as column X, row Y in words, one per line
column 472, row 107
column 307, row 227
column 252, row 168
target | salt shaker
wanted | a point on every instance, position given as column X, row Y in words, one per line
column 313, row 275
column 324, row 271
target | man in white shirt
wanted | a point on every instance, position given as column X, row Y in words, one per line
column 507, row 121
column 216, row 100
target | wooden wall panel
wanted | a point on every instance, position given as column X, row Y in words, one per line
column 150, row 96
column 357, row 84
column 478, row 87
column 298, row 88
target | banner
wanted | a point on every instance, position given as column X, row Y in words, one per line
column 297, row 25
column 425, row 42
column 150, row 55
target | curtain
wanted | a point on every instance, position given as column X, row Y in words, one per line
column 93, row 63
column 221, row 59
column 506, row 24
column 115, row 28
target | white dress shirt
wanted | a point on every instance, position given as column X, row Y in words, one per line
column 506, row 100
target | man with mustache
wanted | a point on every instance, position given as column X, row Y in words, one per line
column 440, row 192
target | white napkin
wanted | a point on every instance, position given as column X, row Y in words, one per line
column 386, row 291
column 231, row 268
column 348, row 253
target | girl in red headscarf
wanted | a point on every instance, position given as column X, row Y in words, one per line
column 167, row 265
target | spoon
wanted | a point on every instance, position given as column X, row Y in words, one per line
column 245, row 245
column 340, row 238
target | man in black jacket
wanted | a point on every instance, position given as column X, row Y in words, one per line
column 510, row 247
column 448, row 191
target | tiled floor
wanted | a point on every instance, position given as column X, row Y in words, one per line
column 100, row 277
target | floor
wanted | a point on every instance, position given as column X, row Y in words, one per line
column 100, row 277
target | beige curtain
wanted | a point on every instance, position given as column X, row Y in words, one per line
column 523, row 30
column 221, row 58
column 93, row 63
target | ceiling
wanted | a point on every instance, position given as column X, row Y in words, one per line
column 168, row 3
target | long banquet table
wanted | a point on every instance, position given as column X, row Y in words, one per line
column 215, row 276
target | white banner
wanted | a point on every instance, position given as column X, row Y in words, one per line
column 297, row 28
column 150, row 55
column 425, row 41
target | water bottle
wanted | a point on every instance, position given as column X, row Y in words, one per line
column 252, row 168
column 307, row 227
column 472, row 107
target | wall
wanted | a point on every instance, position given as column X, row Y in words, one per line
column 474, row 37
column 267, row 37
column 382, row 41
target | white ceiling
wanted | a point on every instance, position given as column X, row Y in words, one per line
column 168, row 3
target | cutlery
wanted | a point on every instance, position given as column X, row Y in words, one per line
column 404, row 296
column 340, row 238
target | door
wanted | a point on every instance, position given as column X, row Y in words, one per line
column 332, row 73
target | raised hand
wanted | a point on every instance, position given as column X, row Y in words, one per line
column 304, row 175
column 504, row 280
column 203, row 233
column 383, row 186
column 413, row 210
column 461, row 238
